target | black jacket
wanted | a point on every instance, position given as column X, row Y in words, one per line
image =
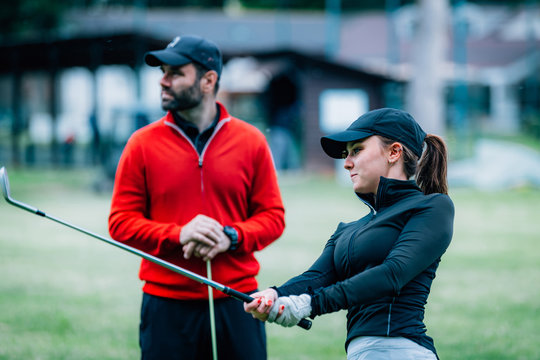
column 380, row 267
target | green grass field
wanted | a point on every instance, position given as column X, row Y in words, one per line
column 64, row 295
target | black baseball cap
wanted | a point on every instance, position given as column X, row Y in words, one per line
column 393, row 124
column 186, row 49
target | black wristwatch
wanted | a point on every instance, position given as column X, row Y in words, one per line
column 232, row 234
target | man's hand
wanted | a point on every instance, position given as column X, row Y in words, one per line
column 209, row 252
column 203, row 237
column 260, row 307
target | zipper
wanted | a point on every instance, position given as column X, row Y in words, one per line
column 201, row 155
column 181, row 132
column 390, row 316
column 218, row 127
column 362, row 198
column 371, row 208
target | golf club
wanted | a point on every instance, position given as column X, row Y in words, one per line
column 4, row 184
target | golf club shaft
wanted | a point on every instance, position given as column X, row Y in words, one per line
column 140, row 253
column 211, row 309
column 304, row 323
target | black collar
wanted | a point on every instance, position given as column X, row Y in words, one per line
column 389, row 192
column 190, row 128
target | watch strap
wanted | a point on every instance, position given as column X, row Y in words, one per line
column 232, row 234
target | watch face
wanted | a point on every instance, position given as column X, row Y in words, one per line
column 231, row 232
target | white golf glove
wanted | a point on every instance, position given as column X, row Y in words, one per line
column 295, row 308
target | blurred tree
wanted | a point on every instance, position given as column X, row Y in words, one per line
column 346, row 5
column 178, row 3
column 350, row 5
column 425, row 95
column 30, row 17
column 38, row 17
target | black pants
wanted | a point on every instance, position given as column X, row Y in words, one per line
column 179, row 329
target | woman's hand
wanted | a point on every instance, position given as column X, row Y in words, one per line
column 287, row 311
column 263, row 303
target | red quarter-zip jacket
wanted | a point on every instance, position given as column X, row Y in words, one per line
column 162, row 183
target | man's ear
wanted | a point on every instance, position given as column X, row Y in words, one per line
column 208, row 81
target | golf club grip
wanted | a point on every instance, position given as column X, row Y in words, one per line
column 304, row 323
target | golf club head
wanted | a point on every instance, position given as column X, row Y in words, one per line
column 4, row 184
column 6, row 192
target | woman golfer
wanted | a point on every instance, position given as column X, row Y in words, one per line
column 380, row 267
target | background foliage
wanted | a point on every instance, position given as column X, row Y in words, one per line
column 40, row 17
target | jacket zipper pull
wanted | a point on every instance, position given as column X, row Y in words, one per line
column 200, row 162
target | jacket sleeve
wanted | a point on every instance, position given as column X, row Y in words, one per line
column 266, row 214
column 128, row 220
column 422, row 242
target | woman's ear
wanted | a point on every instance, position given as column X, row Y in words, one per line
column 395, row 152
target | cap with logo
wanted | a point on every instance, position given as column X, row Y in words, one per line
column 186, row 49
column 393, row 124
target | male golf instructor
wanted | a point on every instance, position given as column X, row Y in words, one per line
column 196, row 185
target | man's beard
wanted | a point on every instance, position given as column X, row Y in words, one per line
column 185, row 100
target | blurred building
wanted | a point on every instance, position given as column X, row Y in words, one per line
column 294, row 75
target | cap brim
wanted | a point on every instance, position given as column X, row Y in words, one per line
column 160, row 57
column 334, row 145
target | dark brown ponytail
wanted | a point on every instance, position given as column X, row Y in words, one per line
column 431, row 174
